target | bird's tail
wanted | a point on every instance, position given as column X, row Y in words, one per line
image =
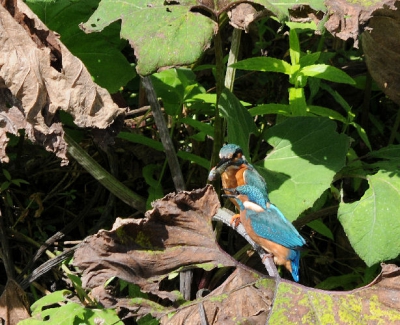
column 295, row 263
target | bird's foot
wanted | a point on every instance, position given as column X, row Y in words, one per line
column 267, row 255
column 268, row 261
column 235, row 220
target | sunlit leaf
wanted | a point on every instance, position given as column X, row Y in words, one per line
column 307, row 154
column 239, row 121
column 327, row 72
column 264, row 64
column 370, row 223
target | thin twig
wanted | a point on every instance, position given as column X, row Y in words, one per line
column 202, row 312
column 185, row 277
column 47, row 266
column 138, row 111
column 164, row 135
column 103, row 177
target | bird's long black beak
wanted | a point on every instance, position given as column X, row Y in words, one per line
column 228, row 195
column 221, row 162
column 219, row 169
column 231, row 190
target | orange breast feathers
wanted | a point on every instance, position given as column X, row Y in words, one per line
column 280, row 252
column 233, row 177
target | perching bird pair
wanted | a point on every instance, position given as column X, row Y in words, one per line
column 262, row 220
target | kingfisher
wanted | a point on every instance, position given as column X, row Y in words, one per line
column 268, row 227
column 235, row 171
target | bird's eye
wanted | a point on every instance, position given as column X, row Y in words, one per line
column 238, row 153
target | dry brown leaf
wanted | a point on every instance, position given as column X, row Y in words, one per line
column 11, row 120
column 176, row 234
column 246, row 298
column 381, row 44
column 243, row 298
column 347, row 19
column 14, row 305
column 44, row 77
column 243, row 14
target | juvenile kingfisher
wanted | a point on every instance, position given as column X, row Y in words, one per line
column 268, row 227
column 236, row 171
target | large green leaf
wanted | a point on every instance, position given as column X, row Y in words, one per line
column 307, row 153
column 170, row 33
column 101, row 53
column 161, row 35
column 372, row 223
column 239, row 121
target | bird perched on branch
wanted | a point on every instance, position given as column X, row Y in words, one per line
column 268, row 227
column 235, row 170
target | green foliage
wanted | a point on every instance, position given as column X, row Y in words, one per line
column 168, row 34
column 100, row 52
column 177, row 87
column 307, row 154
column 138, row 138
column 155, row 190
column 369, row 222
column 183, row 40
column 302, row 67
column 321, row 228
column 55, row 308
column 239, row 122
column 7, row 183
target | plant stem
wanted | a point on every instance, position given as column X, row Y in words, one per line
column 233, row 57
column 185, row 277
column 172, row 159
column 218, row 121
column 103, row 177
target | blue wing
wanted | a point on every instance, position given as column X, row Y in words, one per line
column 294, row 257
column 252, row 177
column 272, row 225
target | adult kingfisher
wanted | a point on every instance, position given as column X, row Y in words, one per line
column 268, row 227
column 235, row 171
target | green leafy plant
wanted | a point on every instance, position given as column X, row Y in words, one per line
column 100, row 52
column 56, row 308
column 7, row 183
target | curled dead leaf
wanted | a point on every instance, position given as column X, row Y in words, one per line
column 44, row 77
column 381, row 43
column 347, row 19
column 14, row 305
column 243, row 298
column 242, row 15
column 177, row 234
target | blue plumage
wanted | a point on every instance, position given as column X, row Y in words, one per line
column 268, row 224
